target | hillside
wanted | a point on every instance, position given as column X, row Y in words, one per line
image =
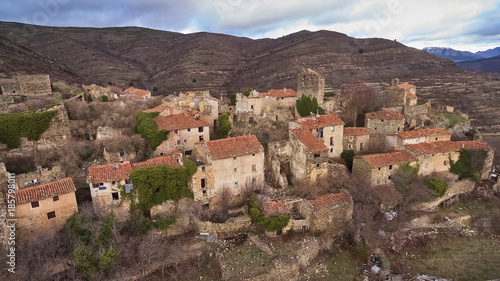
column 174, row 62
column 482, row 65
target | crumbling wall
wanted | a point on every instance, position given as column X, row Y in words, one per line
column 311, row 84
column 38, row 84
column 231, row 227
column 42, row 176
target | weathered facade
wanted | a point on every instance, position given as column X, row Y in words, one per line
column 331, row 212
column 27, row 85
column 308, row 155
column 329, row 129
column 422, row 135
column 137, row 94
column 45, row 207
column 237, row 163
column 185, row 131
column 356, row 139
column 311, row 84
column 377, row 169
column 384, row 122
column 272, row 106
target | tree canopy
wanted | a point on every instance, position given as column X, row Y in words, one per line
column 306, row 105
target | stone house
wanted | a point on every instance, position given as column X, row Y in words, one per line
column 27, row 85
column 356, row 138
column 237, row 163
column 185, row 131
column 97, row 92
column 273, row 106
column 163, row 110
column 421, row 135
column 331, row 212
column 308, row 154
column 377, row 169
column 107, row 182
column 327, row 128
column 384, row 122
column 388, row 195
column 135, row 93
column 45, row 207
column 203, row 183
column 410, row 93
column 434, row 157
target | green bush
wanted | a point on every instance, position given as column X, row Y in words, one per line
column 108, row 259
column 272, row 223
column 224, row 127
column 146, row 127
column 306, row 106
column 470, row 163
column 28, row 124
column 453, row 119
column 233, row 99
column 104, row 98
column 157, row 184
column 164, row 222
column 247, row 92
column 437, row 185
column 329, row 94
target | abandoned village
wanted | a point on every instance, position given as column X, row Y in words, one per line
column 256, row 164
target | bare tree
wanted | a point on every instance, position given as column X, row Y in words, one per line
column 360, row 99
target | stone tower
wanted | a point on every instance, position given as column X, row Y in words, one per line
column 311, row 84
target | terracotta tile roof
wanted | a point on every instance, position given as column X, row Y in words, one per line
column 230, row 147
column 44, row 191
column 170, row 160
column 423, row 133
column 159, row 108
column 356, row 131
column 406, row 86
column 275, row 208
column 384, row 114
column 387, row 193
column 181, row 121
column 285, row 93
column 313, row 122
column 135, row 93
column 386, row 159
column 309, row 140
column 109, row 172
column 448, row 146
column 412, row 96
column 328, row 200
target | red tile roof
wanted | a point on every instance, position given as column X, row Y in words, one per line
column 230, row 147
column 356, row 131
column 159, row 108
column 275, row 208
column 448, row 146
column 181, row 121
column 330, row 200
column 423, row 133
column 44, row 191
column 285, row 93
column 309, row 140
column 406, row 86
column 412, row 96
column 170, row 160
column 387, row 193
column 313, row 121
column 384, row 114
column 110, row 172
column 386, row 159
column 135, row 93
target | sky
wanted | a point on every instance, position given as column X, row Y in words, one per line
column 468, row 25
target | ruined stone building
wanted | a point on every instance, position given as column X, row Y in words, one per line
column 108, row 183
column 185, row 131
column 27, row 85
column 98, row 92
column 137, row 94
column 421, row 135
column 272, row 106
column 311, row 84
column 45, row 207
column 377, row 169
column 236, row 163
column 329, row 212
column 200, row 101
column 384, row 122
column 308, row 155
column 356, row 139
column 435, row 156
column 329, row 129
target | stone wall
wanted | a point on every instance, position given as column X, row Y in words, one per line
column 356, row 143
column 42, row 175
column 231, row 227
column 203, row 184
column 34, row 84
column 10, row 87
column 454, row 188
column 384, row 126
column 311, row 84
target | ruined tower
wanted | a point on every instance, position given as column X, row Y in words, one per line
column 311, row 84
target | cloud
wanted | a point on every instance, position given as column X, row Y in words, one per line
column 461, row 22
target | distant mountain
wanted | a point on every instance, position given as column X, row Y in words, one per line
column 489, row 53
column 452, row 54
column 482, row 65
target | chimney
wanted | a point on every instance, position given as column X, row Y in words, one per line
column 317, row 113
